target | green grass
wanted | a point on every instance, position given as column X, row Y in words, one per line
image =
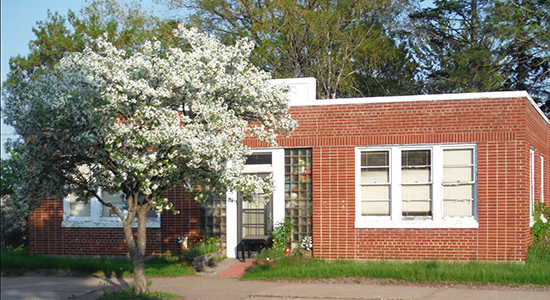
column 20, row 262
column 474, row 272
column 539, row 254
column 206, row 246
column 535, row 271
column 129, row 295
column 271, row 253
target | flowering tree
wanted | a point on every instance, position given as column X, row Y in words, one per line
column 143, row 123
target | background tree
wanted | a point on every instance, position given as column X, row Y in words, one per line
column 126, row 25
column 347, row 45
column 456, row 48
column 484, row 45
column 142, row 123
column 524, row 29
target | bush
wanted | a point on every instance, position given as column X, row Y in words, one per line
column 541, row 228
column 539, row 254
column 130, row 295
column 208, row 245
column 13, row 223
column 281, row 235
column 14, row 211
column 271, row 253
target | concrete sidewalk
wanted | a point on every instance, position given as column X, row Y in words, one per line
column 44, row 287
column 210, row 285
column 210, row 288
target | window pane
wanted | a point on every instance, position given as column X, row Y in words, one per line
column 417, row 192
column 417, row 208
column 152, row 214
column 374, row 158
column 78, row 208
column 259, row 159
column 375, row 192
column 458, row 157
column 457, row 208
column 376, row 208
column 416, row 200
column 458, row 174
column 458, row 165
column 458, row 192
column 375, row 175
column 416, row 158
column 415, row 175
column 415, row 166
column 116, row 199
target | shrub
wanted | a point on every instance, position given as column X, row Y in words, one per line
column 13, row 223
column 281, row 234
column 539, row 252
column 271, row 253
column 541, row 228
column 204, row 246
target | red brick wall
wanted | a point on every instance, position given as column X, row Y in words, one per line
column 503, row 129
column 46, row 236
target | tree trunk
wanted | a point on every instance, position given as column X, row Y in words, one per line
column 137, row 250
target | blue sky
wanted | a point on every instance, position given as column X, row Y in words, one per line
column 17, row 20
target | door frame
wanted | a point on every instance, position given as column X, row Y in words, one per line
column 277, row 168
column 268, row 214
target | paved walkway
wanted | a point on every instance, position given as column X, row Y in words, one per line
column 211, row 284
column 214, row 288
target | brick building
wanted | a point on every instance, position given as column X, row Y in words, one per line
column 452, row 177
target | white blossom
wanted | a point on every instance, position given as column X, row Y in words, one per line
column 149, row 121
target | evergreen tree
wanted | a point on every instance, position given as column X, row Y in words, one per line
column 456, row 48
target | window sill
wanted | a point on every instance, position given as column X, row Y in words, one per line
column 153, row 223
column 466, row 223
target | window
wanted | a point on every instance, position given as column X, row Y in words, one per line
column 117, row 200
column 375, row 183
column 458, row 182
column 298, row 193
column 416, row 186
column 416, row 182
column 93, row 214
column 79, row 208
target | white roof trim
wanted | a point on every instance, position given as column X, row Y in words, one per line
column 415, row 98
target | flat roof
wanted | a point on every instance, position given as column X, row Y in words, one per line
column 416, row 98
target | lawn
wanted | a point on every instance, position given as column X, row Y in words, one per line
column 20, row 262
column 535, row 271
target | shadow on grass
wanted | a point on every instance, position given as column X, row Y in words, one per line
column 20, row 263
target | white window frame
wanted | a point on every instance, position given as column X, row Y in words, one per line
column 96, row 218
column 395, row 219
